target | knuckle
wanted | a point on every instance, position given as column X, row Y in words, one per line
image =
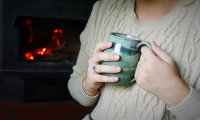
column 98, row 68
column 97, row 57
column 98, row 47
column 89, row 70
column 107, row 56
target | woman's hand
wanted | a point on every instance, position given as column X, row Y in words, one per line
column 94, row 80
column 157, row 73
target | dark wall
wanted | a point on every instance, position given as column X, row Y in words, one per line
column 74, row 9
column 1, row 35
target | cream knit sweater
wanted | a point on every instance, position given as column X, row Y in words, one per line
column 178, row 33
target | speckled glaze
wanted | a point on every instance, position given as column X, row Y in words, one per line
column 128, row 47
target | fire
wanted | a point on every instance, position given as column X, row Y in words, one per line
column 43, row 51
column 46, row 49
column 57, row 34
column 29, row 56
column 39, row 51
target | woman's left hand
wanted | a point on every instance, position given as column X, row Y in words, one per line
column 157, row 73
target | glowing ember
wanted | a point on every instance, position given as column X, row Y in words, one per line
column 43, row 51
column 59, row 31
column 29, row 56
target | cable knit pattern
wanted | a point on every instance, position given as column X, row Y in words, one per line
column 177, row 33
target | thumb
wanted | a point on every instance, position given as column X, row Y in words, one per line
column 161, row 54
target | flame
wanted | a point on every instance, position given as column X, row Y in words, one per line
column 43, row 51
column 57, row 34
column 29, row 56
column 39, row 51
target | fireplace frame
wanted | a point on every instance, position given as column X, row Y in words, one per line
column 8, row 35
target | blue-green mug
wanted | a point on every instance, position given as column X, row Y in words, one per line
column 128, row 48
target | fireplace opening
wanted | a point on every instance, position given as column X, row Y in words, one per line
column 47, row 39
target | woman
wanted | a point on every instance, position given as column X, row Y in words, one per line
column 167, row 78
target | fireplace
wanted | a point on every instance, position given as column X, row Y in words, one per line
column 40, row 41
column 41, row 35
column 46, row 43
column 48, row 39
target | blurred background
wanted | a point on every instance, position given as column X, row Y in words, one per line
column 39, row 44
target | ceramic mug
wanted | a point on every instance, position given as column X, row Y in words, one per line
column 128, row 48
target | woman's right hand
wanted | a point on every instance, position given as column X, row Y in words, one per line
column 94, row 79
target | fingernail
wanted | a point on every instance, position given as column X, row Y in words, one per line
column 116, row 79
column 142, row 49
column 118, row 69
column 116, row 57
column 109, row 43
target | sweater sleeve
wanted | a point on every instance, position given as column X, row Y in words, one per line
column 189, row 108
column 80, row 69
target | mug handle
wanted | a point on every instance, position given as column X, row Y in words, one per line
column 139, row 46
column 133, row 80
column 142, row 44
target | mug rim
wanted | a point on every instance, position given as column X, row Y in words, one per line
column 127, row 36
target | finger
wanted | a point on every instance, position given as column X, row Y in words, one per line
column 105, row 79
column 161, row 54
column 107, row 69
column 147, row 53
column 105, row 57
column 102, row 46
